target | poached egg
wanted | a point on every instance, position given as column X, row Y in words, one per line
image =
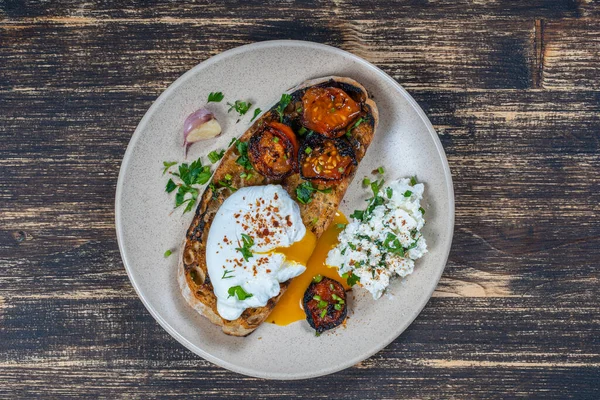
column 256, row 241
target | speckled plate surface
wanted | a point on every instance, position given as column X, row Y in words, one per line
column 405, row 144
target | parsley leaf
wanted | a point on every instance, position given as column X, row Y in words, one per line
column 247, row 242
column 413, row 180
column 422, row 210
column 256, row 113
column 358, row 214
column 283, row 103
column 241, row 107
column 408, row 193
column 351, row 279
column 167, row 165
column 305, row 190
column 170, row 186
column 215, row 97
column 389, row 192
column 242, row 149
column 168, row 253
column 215, row 156
column 238, row 292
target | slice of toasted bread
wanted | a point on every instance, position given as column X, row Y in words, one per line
column 193, row 276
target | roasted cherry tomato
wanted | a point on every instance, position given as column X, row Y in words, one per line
column 324, row 303
column 325, row 160
column 328, row 110
column 273, row 151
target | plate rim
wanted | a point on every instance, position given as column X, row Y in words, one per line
column 136, row 136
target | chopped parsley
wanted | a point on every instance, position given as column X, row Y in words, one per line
column 170, row 186
column 308, row 150
column 190, row 175
column 413, row 180
column 318, row 278
column 340, row 226
column 351, row 279
column 241, row 107
column 381, row 170
column 422, row 210
column 242, row 149
column 283, row 103
column 167, row 165
column 168, row 253
column 302, row 131
column 215, row 97
column 389, row 192
column 305, row 190
column 323, row 313
column 225, row 276
column 247, row 242
column 257, row 111
column 239, row 292
column 215, row 156
column 366, row 181
column 408, row 193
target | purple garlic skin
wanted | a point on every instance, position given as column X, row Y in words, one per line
column 200, row 125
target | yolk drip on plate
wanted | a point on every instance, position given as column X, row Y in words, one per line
column 289, row 308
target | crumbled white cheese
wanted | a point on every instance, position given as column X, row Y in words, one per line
column 384, row 242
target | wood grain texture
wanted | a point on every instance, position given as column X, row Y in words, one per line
column 511, row 88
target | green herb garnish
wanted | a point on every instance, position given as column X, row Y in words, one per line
column 215, row 97
column 302, row 131
column 215, row 156
column 192, row 174
column 257, row 111
column 242, row 149
column 305, row 190
column 422, row 210
column 167, row 165
column 316, row 297
column 170, row 186
column 340, row 226
column 275, row 139
column 366, row 182
column 413, row 180
column 247, row 242
column 225, row 276
column 380, row 170
column 283, row 103
column 322, row 304
column 408, row 193
column 241, row 107
column 389, row 192
column 323, row 313
column 338, row 307
column 351, row 279
column 357, row 123
column 308, row 150
column 318, row 278
column 239, row 292
column 168, row 253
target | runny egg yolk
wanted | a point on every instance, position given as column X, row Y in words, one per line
column 289, row 308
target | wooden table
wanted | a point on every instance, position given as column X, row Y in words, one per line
column 511, row 87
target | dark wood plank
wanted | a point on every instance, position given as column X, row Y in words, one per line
column 171, row 10
column 421, row 55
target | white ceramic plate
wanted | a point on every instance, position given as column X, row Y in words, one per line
column 405, row 144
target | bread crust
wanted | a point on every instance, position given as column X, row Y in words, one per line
column 193, row 277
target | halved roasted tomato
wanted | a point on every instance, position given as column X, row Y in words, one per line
column 326, row 161
column 328, row 110
column 324, row 303
column 273, row 151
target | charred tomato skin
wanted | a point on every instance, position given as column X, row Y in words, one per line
column 328, row 110
column 326, row 161
column 332, row 316
column 273, row 150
